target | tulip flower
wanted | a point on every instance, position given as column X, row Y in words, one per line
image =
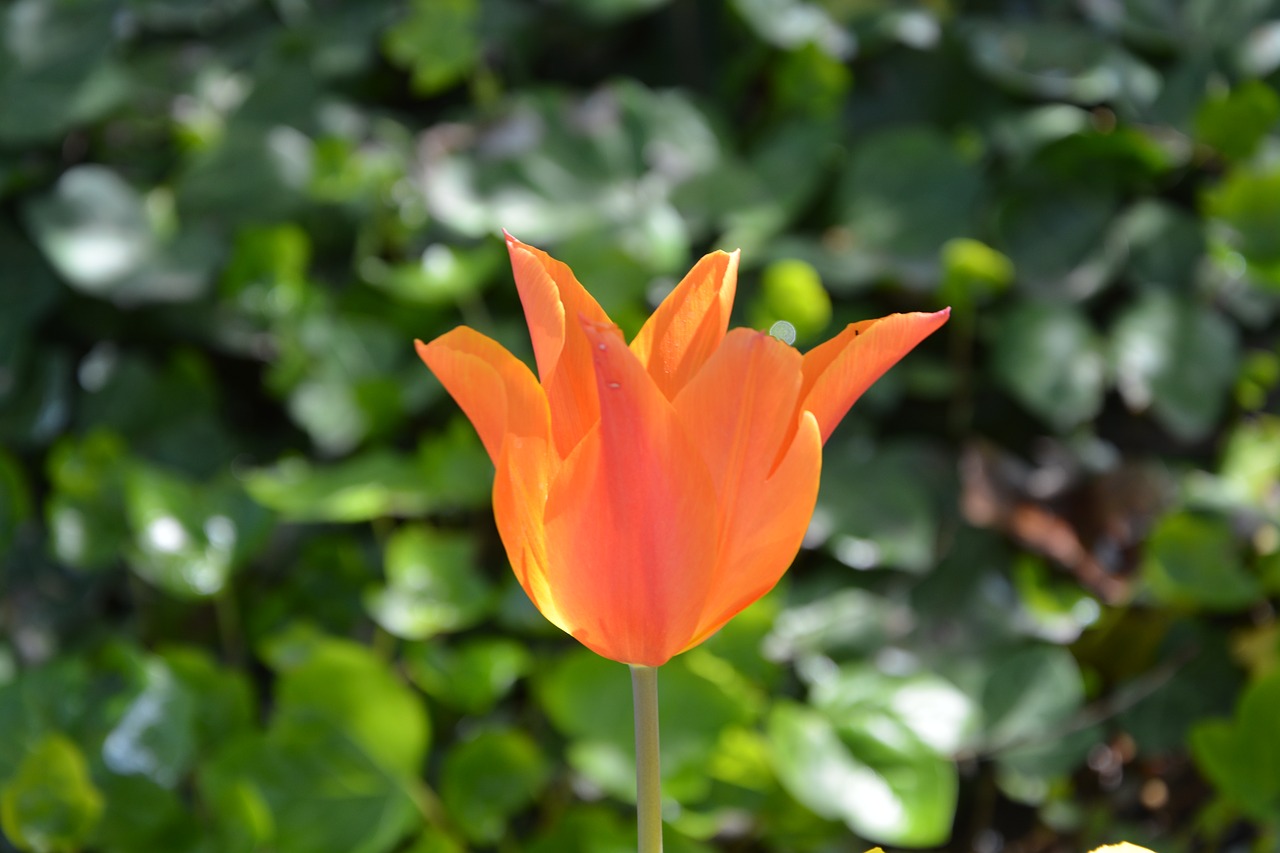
column 647, row 492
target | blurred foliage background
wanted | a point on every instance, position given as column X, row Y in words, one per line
column 253, row 599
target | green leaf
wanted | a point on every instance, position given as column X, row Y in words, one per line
column 155, row 736
column 472, row 676
column 811, row 82
column 588, row 698
column 29, row 289
column 870, row 772
column 346, row 686
column 56, row 68
column 793, row 24
column 844, row 621
column 434, row 585
column 1194, row 561
column 435, row 841
column 1177, row 358
column 51, row 805
column 36, row 395
column 223, row 697
column 1250, row 470
column 526, row 169
column 99, row 234
column 893, row 525
column 587, row 829
column 438, row 41
column 449, row 472
column 15, row 500
column 1244, row 214
column 1060, row 240
column 972, row 272
column 85, row 514
column 138, row 815
column 937, row 713
column 307, row 787
column 443, row 275
column 1164, row 242
column 1054, row 60
column 1030, row 690
column 1237, row 121
column 1051, row 360
column 489, row 779
column 1207, row 685
column 907, row 192
column 187, row 537
column 1240, row 757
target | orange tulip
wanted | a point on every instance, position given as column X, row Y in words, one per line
column 647, row 493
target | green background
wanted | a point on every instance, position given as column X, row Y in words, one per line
column 253, row 599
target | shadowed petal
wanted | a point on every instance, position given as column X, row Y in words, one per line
column 739, row 410
column 631, row 519
column 837, row 372
column 689, row 324
column 493, row 387
column 770, row 523
column 553, row 303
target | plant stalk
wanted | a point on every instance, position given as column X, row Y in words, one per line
column 644, row 687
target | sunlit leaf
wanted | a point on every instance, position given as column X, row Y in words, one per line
column 433, row 585
column 871, row 773
column 51, row 804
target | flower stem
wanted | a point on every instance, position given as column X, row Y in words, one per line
column 644, row 686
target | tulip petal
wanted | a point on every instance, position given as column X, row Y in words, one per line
column 689, row 324
column 631, row 519
column 738, row 410
column 494, row 388
column 837, row 372
column 553, row 302
column 769, row 524
column 527, row 466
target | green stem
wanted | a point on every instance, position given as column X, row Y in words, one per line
column 644, row 685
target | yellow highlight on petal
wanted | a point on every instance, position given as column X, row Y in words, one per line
column 1122, row 847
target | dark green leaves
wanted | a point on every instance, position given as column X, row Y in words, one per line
column 1194, row 561
column 490, row 777
column 253, row 598
column 1240, row 756
column 1050, row 358
column 907, row 192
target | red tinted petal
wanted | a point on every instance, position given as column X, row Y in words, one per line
column 554, row 302
column 631, row 519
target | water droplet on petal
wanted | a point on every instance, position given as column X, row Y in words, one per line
column 783, row 331
column 602, row 346
column 615, row 385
